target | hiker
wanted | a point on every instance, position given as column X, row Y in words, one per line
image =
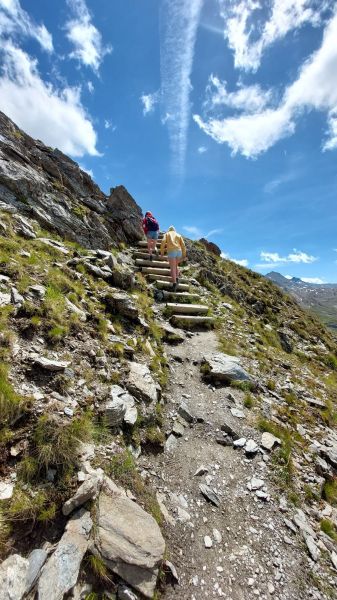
column 151, row 230
column 176, row 252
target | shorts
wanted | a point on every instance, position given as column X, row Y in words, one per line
column 175, row 254
column 152, row 235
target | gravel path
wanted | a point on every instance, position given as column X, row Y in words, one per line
column 253, row 554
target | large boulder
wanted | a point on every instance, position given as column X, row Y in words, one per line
column 13, row 574
column 141, row 384
column 60, row 573
column 121, row 303
column 210, row 246
column 129, row 540
column 224, row 368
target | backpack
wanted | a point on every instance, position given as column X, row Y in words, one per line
column 151, row 224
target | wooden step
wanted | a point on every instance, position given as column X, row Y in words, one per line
column 143, row 243
column 151, row 263
column 180, row 296
column 155, row 271
column 187, row 309
column 145, row 256
column 187, row 321
column 166, row 278
column 167, row 285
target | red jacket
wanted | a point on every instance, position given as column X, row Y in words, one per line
column 145, row 229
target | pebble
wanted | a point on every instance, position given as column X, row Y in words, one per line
column 208, row 541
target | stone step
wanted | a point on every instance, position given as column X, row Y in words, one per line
column 187, row 309
column 145, row 256
column 160, row 264
column 180, row 296
column 167, row 285
column 155, row 271
column 143, row 243
column 187, row 321
column 166, row 278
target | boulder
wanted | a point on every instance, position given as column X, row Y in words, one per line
column 121, row 303
column 210, row 247
column 141, row 384
column 60, row 573
column 268, row 441
column 13, row 574
column 77, row 311
column 224, row 368
column 5, row 299
column 121, row 407
column 129, row 541
column 87, row 491
column 36, row 559
column 123, row 277
column 49, row 364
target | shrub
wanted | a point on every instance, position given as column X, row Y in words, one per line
column 248, row 401
column 330, row 491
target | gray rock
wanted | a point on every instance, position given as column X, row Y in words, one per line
column 129, row 541
column 87, row 491
column 16, row 298
column 170, row 568
column 333, row 557
column 236, row 412
column 201, row 471
column 6, row 490
column 255, row 484
column 123, row 277
column 314, row 551
column 54, row 244
column 171, row 335
column 60, row 573
column 268, row 441
column 186, row 413
column 124, row 593
column 141, row 384
column 209, row 494
column 121, row 303
column 5, row 299
column 230, row 431
column 50, row 365
column 38, row 290
column 171, row 443
column 240, row 443
column 224, row 368
column 13, row 574
column 75, row 310
column 251, row 447
column 330, row 454
column 302, row 523
column 36, row 559
column 178, row 428
column 120, row 408
column 208, row 541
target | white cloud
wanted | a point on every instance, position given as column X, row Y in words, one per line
column 194, row 231
column 316, row 280
column 251, row 98
column 15, row 21
column 250, row 27
column 271, row 260
column 55, row 116
column 274, row 184
column 89, row 171
column 108, row 125
column 202, row 149
column 314, row 89
column 90, row 87
column 243, row 262
column 85, row 37
column 180, row 20
column 149, row 101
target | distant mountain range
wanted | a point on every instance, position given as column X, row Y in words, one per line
column 320, row 298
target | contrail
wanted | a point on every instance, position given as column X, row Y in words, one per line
column 179, row 25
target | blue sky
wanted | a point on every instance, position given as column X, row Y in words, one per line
column 220, row 116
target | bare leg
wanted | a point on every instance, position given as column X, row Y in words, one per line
column 173, row 269
column 149, row 243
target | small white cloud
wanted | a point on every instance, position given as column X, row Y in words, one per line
column 89, row 49
column 213, row 232
column 316, row 280
column 202, row 149
column 243, row 262
column 194, row 231
column 149, row 101
column 53, row 115
column 288, row 276
column 251, row 98
column 108, row 125
column 91, row 87
column 14, row 21
column 297, row 256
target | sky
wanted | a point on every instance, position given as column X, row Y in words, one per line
column 219, row 116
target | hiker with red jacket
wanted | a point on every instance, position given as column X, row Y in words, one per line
column 151, row 230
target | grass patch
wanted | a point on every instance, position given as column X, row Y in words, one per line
column 12, row 405
column 330, row 491
column 282, row 457
column 329, row 529
column 248, row 401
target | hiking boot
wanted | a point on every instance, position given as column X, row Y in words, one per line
column 174, row 287
column 177, row 280
column 151, row 257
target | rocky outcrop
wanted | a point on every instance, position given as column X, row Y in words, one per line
column 44, row 184
column 210, row 246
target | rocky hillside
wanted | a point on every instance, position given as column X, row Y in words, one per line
column 44, row 184
column 143, row 460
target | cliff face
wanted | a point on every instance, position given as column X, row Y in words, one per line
column 48, row 186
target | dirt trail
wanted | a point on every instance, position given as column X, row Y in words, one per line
column 253, row 553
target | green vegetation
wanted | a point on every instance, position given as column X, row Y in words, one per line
column 282, row 457
column 330, row 491
column 329, row 528
column 12, row 405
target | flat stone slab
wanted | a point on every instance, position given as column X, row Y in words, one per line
column 6, row 490
column 129, row 541
column 13, row 574
column 224, row 368
column 60, row 573
column 141, row 384
column 49, row 364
